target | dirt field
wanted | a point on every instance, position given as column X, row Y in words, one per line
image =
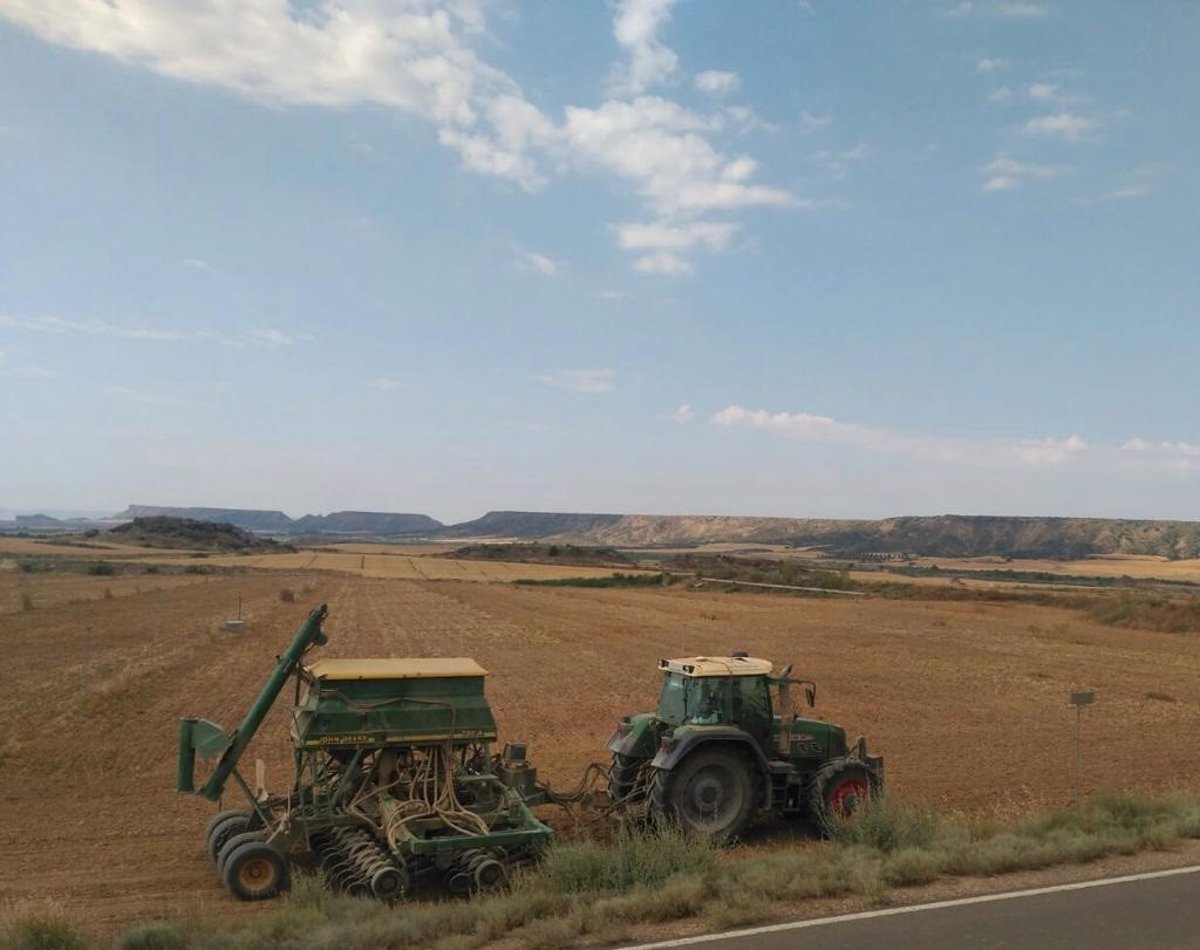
column 967, row 701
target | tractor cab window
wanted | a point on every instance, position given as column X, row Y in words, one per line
column 697, row 700
column 752, row 705
column 672, row 702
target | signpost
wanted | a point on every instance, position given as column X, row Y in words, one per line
column 1080, row 699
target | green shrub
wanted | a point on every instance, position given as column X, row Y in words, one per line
column 158, row 935
column 39, row 926
column 101, row 569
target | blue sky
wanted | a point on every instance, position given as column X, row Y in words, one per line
column 772, row 258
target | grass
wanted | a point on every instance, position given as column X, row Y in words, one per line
column 601, row 891
column 613, row 580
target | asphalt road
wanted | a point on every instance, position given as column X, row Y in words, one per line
column 1158, row 911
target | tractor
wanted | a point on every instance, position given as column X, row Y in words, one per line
column 726, row 747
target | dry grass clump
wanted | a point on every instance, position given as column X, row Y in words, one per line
column 601, row 891
column 287, row 595
column 38, row 925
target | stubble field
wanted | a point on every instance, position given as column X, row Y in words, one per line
column 967, row 701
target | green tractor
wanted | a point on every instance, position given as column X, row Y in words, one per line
column 726, row 747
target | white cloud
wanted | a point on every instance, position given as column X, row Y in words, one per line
column 580, row 380
column 635, row 27
column 195, row 263
column 612, row 295
column 659, row 146
column 663, row 263
column 683, row 414
column 991, row 65
column 838, row 162
column 965, row 8
column 1023, row 10
column 538, row 262
column 1049, row 452
column 34, row 372
column 1006, row 174
column 715, row 82
column 665, row 243
column 1135, row 445
column 1063, row 125
column 384, row 385
column 415, row 57
column 268, row 338
column 715, row 235
column 271, row 339
column 999, row 455
column 1000, row 95
column 809, row 123
column 1136, row 183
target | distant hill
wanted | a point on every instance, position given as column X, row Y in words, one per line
column 376, row 523
column 162, row 531
column 251, row 519
column 530, row 525
column 934, row 536
column 369, row 523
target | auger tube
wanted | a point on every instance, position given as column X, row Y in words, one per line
column 197, row 734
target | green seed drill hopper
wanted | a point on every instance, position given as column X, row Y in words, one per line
column 395, row 782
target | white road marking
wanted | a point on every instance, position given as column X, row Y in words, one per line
column 909, row 909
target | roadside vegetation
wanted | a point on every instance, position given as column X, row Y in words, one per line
column 597, row 892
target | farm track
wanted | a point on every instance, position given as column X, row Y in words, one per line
column 968, row 701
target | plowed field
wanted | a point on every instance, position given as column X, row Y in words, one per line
column 968, row 702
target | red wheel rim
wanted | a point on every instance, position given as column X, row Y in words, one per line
column 848, row 797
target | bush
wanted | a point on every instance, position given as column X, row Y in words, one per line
column 150, row 569
column 196, row 569
column 154, row 936
column 35, row 567
column 287, row 595
column 101, row 569
column 38, row 926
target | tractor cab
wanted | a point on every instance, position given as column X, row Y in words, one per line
column 735, row 690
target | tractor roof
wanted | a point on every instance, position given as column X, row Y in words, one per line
column 396, row 669
column 717, row 666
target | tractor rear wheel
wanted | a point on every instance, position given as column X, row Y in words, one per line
column 224, row 826
column 710, row 795
column 840, row 792
column 255, row 872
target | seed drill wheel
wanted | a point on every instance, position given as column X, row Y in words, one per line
column 840, row 792
column 255, row 872
column 224, row 826
column 232, row 844
column 711, row 794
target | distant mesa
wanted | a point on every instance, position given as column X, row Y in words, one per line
column 341, row 523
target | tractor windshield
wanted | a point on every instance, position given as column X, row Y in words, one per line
column 690, row 699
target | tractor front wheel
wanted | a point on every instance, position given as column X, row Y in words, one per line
column 255, row 872
column 840, row 792
column 710, row 794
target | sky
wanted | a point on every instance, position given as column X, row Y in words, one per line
column 805, row 259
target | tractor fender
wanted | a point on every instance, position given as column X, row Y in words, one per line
column 682, row 742
column 637, row 737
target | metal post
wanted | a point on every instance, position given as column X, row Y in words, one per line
column 1079, row 699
